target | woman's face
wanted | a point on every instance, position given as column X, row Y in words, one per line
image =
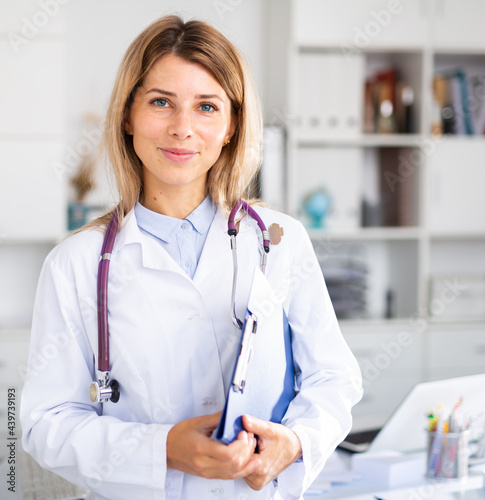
column 180, row 119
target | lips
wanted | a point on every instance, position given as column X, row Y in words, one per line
column 178, row 154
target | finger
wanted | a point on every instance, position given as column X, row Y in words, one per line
column 208, row 421
column 243, row 436
column 243, row 446
column 251, row 467
column 253, row 440
column 240, row 450
column 223, row 471
column 247, row 437
column 233, row 466
column 244, row 440
column 217, row 460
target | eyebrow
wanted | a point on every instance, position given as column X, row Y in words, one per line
column 173, row 94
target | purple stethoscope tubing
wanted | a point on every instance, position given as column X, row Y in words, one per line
column 232, row 232
column 102, row 291
column 253, row 214
column 104, row 389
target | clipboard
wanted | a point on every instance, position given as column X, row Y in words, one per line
column 263, row 382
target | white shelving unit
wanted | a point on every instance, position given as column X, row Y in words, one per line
column 330, row 48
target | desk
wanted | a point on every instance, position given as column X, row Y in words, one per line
column 469, row 488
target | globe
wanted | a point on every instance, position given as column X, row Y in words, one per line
column 317, row 205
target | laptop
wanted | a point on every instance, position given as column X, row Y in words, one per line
column 405, row 430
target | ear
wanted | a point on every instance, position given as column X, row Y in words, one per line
column 127, row 127
column 231, row 130
column 126, row 121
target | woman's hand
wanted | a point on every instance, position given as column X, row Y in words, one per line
column 190, row 449
column 279, row 447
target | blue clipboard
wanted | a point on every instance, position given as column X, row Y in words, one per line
column 263, row 376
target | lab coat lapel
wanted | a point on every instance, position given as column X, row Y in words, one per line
column 216, row 253
column 216, row 258
column 154, row 256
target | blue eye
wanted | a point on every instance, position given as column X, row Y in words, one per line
column 160, row 102
column 207, row 107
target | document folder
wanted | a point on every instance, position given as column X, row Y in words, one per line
column 263, row 382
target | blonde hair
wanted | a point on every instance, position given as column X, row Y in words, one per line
column 196, row 42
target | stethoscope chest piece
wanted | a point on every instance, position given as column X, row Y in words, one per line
column 104, row 390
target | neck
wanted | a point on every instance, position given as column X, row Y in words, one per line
column 178, row 203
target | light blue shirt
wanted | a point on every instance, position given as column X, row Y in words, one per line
column 182, row 239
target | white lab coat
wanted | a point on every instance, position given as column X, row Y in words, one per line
column 172, row 349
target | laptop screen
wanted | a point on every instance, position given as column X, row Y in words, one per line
column 406, row 428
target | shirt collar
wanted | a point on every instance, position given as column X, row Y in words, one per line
column 201, row 218
column 165, row 227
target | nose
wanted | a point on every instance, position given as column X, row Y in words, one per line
column 180, row 125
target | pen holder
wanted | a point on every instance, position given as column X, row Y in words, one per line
column 447, row 454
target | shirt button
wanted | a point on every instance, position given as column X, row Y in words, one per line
column 188, row 263
column 217, row 490
column 208, row 403
column 185, row 226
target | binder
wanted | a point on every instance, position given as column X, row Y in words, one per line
column 463, row 89
column 330, row 94
column 265, row 385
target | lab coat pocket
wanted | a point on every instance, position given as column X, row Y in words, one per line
column 134, row 403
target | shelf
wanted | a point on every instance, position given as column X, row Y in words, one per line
column 31, row 137
column 436, row 325
column 377, row 325
column 392, row 234
column 366, row 140
column 370, row 49
column 459, row 51
column 454, row 236
column 15, row 334
column 458, row 138
column 456, row 323
column 369, row 234
column 411, row 140
column 6, row 241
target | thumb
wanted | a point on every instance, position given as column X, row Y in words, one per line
column 255, row 425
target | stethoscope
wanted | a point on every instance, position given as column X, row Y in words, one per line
column 105, row 389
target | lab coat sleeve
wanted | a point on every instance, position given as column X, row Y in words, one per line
column 327, row 373
column 62, row 429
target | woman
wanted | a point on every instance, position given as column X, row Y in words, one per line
column 183, row 134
